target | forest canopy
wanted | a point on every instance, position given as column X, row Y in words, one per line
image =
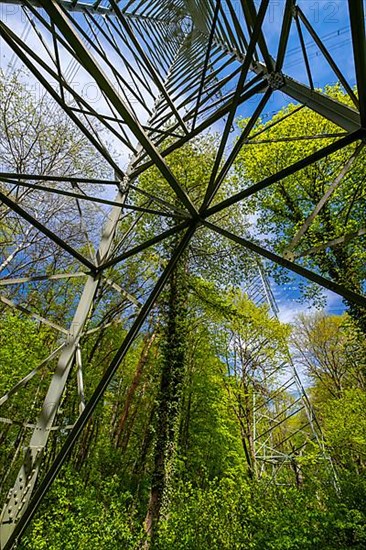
column 223, row 427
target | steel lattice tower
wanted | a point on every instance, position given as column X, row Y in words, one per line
column 166, row 71
column 279, row 399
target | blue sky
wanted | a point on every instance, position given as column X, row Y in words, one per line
column 331, row 22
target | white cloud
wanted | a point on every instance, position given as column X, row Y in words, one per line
column 289, row 309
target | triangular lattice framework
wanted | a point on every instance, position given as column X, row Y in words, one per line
column 165, row 72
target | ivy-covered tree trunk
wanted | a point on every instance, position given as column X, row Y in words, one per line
column 173, row 349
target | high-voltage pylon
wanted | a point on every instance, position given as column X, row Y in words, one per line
column 284, row 422
column 163, row 73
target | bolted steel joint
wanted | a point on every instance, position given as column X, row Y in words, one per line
column 288, row 255
column 275, row 80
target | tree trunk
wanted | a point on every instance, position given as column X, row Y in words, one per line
column 169, row 398
column 121, row 426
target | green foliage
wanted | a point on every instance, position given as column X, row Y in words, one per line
column 332, row 350
column 210, row 502
column 79, row 516
column 35, row 142
column 236, row 515
column 191, row 392
column 344, row 424
column 21, row 349
column 282, row 208
column 206, row 518
column 210, row 440
column 210, row 256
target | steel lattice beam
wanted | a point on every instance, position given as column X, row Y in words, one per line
column 188, row 66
